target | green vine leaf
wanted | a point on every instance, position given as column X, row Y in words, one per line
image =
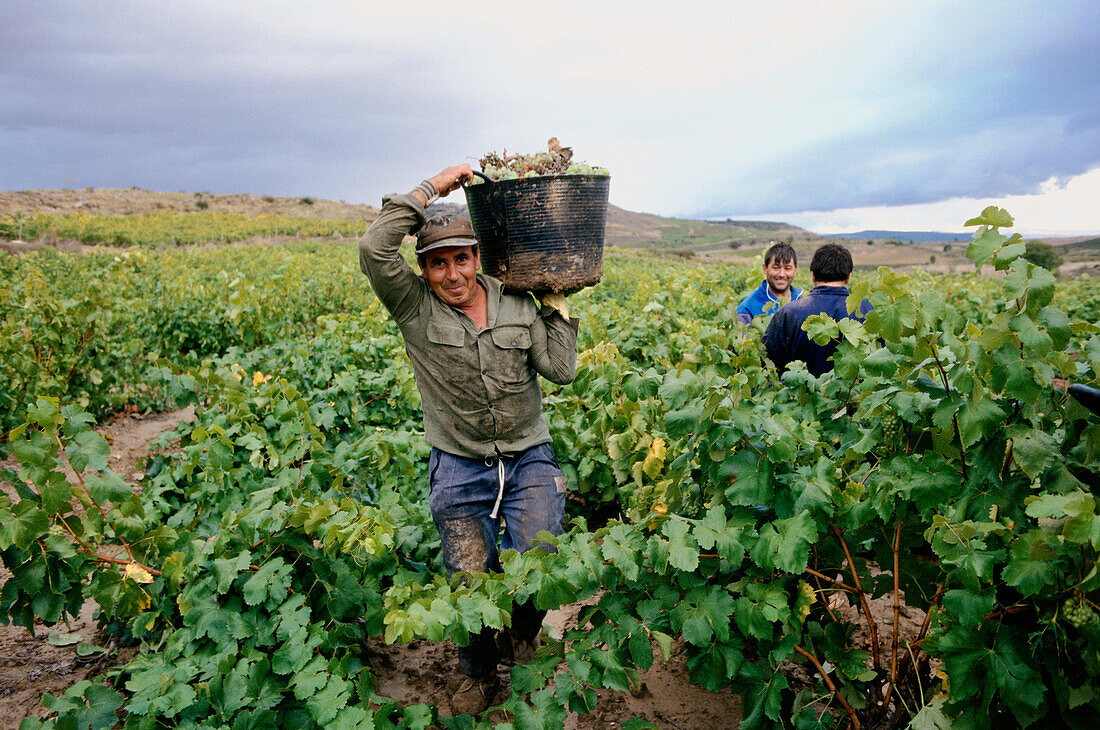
column 1032, row 563
column 785, row 544
column 993, row 217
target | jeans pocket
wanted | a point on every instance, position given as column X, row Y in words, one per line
column 433, row 466
column 438, row 478
column 539, row 466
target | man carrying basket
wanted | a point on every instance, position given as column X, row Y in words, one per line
column 475, row 352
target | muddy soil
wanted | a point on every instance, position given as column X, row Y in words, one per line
column 423, row 671
column 29, row 665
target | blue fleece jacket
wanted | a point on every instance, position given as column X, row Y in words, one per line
column 754, row 304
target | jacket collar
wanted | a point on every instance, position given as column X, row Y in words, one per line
column 773, row 298
column 835, row 290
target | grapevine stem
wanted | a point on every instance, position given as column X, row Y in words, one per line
column 103, row 558
column 928, row 616
column 1008, row 611
column 916, row 674
column 939, row 365
column 829, row 683
column 869, row 473
column 962, row 447
column 842, row 586
column 871, row 626
column 904, row 704
column 670, row 722
column 897, row 611
column 821, row 597
column 83, row 346
column 80, row 480
column 751, row 445
column 954, row 419
column 848, row 396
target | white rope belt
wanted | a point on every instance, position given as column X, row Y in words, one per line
column 500, row 488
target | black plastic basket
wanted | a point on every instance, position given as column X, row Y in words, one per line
column 541, row 234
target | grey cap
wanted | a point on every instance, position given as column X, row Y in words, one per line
column 444, row 231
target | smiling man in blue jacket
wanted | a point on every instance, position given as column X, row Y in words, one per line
column 780, row 266
column 784, row 339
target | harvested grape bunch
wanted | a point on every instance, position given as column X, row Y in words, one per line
column 557, row 160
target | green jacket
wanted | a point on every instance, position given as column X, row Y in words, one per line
column 478, row 389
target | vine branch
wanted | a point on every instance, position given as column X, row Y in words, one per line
column 955, row 418
column 90, row 552
column 839, row 584
column 928, row 616
column 871, row 626
column 125, row 545
column 821, row 598
column 829, row 683
column 897, row 612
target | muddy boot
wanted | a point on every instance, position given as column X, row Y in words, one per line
column 468, row 695
column 480, row 657
column 504, row 648
column 523, row 650
column 517, row 644
column 514, row 650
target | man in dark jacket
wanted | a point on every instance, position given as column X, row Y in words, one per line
column 784, row 339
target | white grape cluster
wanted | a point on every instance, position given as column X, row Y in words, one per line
column 891, row 432
column 583, row 168
column 56, row 529
column 498, row 173
column 556, row 161
column 1078, row 612
column 643, row 500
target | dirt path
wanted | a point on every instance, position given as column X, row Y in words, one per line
column 30, row 665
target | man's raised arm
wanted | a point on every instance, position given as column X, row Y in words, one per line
column 392, row 279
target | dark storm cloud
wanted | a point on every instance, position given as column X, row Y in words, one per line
column 991, row 110
column 143, row 95
column 869, row 105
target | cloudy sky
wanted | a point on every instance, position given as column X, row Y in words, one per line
column 838, row 115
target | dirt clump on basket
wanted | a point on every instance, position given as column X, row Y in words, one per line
column 542, row 271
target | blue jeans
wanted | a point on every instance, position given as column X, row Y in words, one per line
column 463, row 495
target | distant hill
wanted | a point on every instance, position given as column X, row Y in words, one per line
column 760, row 225
column 644, row 230
column 915, row 236
column 624, row 228
column 129, row 201
column 1089, row 244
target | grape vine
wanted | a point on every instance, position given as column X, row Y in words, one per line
column 746, row 519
